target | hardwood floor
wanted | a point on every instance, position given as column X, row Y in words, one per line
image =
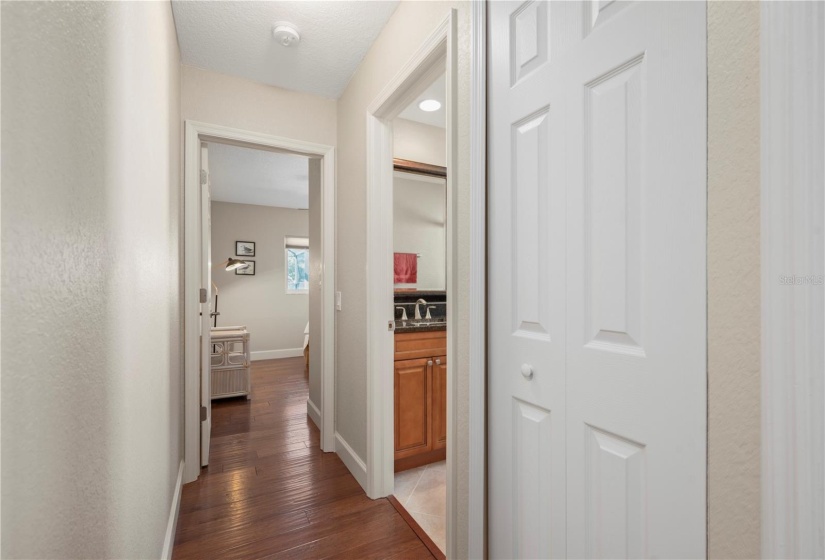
column 270, row 492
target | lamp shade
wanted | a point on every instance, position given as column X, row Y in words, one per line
column 233, row 264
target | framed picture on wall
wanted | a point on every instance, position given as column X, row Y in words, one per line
column 244, row 248
column 246, row 271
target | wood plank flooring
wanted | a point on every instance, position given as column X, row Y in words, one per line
column 270, row 492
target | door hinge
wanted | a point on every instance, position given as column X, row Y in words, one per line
column 204, row 176
column 203, row 414
column 203, row 295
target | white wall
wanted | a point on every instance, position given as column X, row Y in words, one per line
column 419, row 226
column 419, row 142
column 91, row 188
column 404, row 33
column 275, row 319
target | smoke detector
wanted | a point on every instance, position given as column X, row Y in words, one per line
column 285, row 33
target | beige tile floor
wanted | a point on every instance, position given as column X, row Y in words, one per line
column 423, row 492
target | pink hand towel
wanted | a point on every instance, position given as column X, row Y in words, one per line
column 406, row 268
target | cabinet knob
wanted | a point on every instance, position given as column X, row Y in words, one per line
column 429, row 362
column 438, row 361
column 527, row 371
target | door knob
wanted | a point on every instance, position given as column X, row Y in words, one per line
column 527, row 371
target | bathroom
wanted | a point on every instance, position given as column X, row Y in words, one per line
column 420, row 300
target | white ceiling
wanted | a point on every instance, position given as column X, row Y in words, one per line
column 249, row 176
column 236, row 38
column 437, row 91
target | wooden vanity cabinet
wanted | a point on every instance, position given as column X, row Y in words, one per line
column 420, row 399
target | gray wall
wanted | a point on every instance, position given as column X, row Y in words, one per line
column 91, row 321
column 275, row 319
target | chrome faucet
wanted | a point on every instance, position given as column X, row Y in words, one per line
column 417, row 310
column 403, row 312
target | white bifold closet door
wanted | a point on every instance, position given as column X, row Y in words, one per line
column 597, row 279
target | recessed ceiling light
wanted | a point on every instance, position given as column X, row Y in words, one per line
column 429, row 105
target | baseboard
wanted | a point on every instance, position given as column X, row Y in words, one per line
column 172, row 524
column 313, row 413
column 351, row 459
column 276, row 354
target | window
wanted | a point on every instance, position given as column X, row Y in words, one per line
column 297, row 265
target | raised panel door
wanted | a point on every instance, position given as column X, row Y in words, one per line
column 526, row 275
column 597, row 279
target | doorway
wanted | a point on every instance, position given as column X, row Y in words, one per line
column 198, row 284
column 421, row 327
column 434, row 60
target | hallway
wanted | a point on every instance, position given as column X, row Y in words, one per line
column 269, row 491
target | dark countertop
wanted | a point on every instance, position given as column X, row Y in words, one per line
column 408, row 327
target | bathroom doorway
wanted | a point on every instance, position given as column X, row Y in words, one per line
column 411, row 154
column 420, row 340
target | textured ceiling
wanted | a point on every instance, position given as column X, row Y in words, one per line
column 236, row 38
column 249, row 176
column 437, row 91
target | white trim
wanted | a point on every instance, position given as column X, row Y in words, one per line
column 436, row 56
column 174, row 511
column 477, row 506
column 351, row 459
column 793, row 218
column 413, row 78
column 451, row 105
column 314, row 413
column 276, row 354
column 195, row 132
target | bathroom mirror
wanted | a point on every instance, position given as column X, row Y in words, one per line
column 419, row 226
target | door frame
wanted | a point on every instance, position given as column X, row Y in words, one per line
column 195, row 133
column 477, row 467
column 435, row 56
column 793, row 400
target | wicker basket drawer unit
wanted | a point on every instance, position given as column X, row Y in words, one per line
column 230, row 361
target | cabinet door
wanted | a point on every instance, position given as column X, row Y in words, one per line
column 413, row 407
column 440, row 402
